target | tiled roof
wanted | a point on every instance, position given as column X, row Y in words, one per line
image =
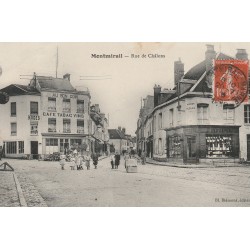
column 17, row 89
column 54, row 83
column 196, row 72
column 222, row 56
column 116, row 134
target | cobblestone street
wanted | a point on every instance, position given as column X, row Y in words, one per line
column 45, row 184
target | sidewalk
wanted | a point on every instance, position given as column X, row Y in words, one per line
column 189, row 165
column 8, row 191
column 17, row 191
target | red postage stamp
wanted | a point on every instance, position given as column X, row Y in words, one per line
column 230, row 81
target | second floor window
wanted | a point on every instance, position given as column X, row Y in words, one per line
column 13, row 109
column 171, row 117
column 160, row 121
column 66, row 105
column 34, row 108
column 66, row 126
column 228, row 113
column 80, row 106
column 154, row 123
column 13, row 128
column 51, row 125
column 202, row 113
column 51, row 104
column 80, row 126
column 246, row 113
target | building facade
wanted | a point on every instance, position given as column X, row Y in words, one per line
column 99, row 131
column 48, row 115
column 119, row 141
column 186, row 125
column 147, row 107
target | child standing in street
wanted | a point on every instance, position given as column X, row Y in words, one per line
column 78, row 161
column 87, row 161
column 62, row 161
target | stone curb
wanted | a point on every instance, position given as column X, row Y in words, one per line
column 22, row 200
column 175, row 165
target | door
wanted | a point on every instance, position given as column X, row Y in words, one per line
column 248, row 147
column 191, row 150
column 34, row 149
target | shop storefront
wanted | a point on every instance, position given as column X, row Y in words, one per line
column 202, row 143
column 61, row 143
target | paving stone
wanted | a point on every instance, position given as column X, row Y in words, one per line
column 8, row 192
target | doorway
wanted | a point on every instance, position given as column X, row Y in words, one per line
column 191, row 149
column 248, row 147
column 34, row 149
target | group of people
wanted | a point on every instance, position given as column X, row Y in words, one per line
column 115, row 160
column 78, row 160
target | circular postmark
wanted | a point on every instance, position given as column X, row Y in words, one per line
column 4, row 97
column 229, row 82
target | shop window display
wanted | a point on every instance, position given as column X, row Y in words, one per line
column 175, row 147
column 219, row 146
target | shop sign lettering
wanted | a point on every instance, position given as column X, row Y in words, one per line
column 34, row 117
column 190, row 106
column 65, row 115
column 64, row 96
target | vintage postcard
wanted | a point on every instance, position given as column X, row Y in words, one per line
column 124, row 125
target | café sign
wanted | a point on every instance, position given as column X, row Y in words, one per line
column 64, row 115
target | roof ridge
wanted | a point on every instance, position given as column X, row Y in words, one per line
column 20, row 87
column 221, row 53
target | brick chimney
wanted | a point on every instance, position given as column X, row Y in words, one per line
column 119, row 128
column 178, row 71
column 241, row 54
column 157, row 91
column 210, row 55
column 67, row 76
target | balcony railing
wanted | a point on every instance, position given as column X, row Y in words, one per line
column 80, row 130
column 66, row 110
column 51, row 129
column 80, row 110
column 66, row 130
column 51, row 108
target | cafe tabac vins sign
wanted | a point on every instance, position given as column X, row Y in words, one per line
column 55, row 114
column 64, row 115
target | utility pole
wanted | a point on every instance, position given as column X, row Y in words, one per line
column 56, row 60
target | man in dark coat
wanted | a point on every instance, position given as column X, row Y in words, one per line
column 95, row 159
column 117, row 160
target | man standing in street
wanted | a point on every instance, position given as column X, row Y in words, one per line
column 117, row 160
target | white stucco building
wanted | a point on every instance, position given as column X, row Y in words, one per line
column 48, row 115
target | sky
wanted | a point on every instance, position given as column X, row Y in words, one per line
column 123, row 81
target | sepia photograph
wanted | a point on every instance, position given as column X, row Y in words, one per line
column 124, row 125
column 146, row 124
